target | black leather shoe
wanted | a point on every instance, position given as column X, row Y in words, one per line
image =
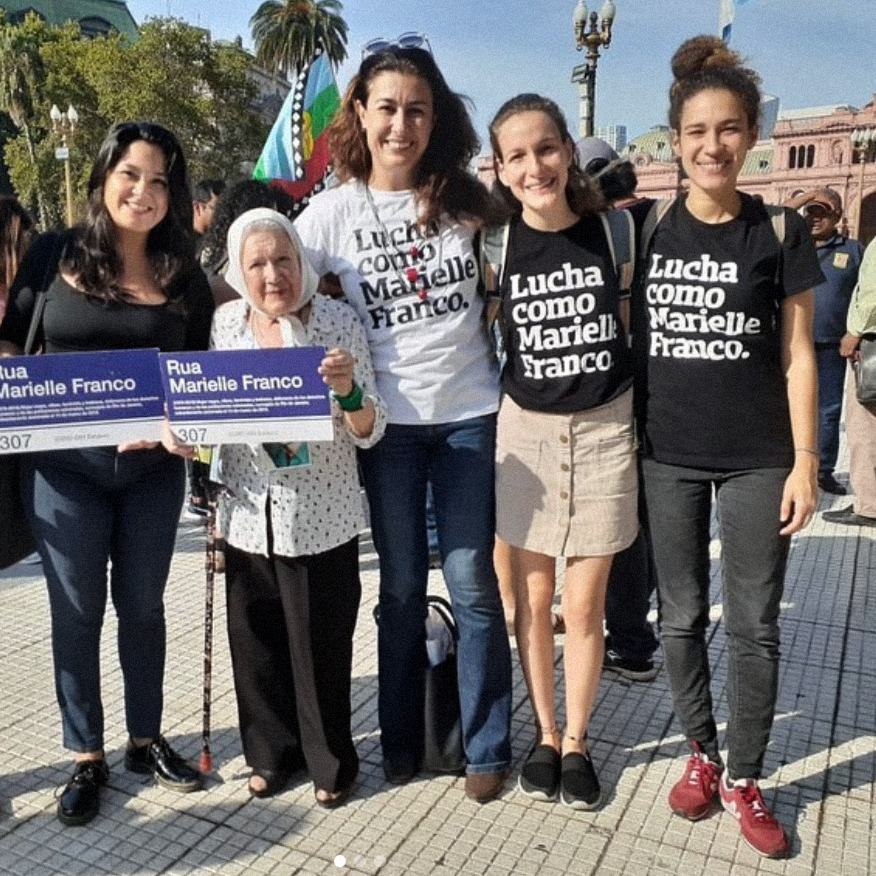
column 849, row 517
column 80, row 799
column 169, row 769
column 829, row 484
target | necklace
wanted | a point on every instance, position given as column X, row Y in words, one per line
column 413, row 262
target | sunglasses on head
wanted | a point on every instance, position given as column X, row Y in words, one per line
column 408, row 40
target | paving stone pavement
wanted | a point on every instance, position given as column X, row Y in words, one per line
column 820, row 768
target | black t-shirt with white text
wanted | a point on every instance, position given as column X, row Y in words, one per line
column 566, row 349
column 708, row 358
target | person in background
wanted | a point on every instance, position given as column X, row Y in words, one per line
column 726, row 388
column 16, row 228
column 860, row 419
column 233, row 202
column 840, row 260
column 398, row 234
column 205, row 197
column 127, row 279
column 292, row 515
column 630, row 642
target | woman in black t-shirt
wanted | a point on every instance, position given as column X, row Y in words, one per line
column 565, row 477
column 127, row 279
column 728, row 403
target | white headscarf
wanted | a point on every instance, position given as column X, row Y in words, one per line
column 292, row 330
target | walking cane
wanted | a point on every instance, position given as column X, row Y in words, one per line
column 206, row 764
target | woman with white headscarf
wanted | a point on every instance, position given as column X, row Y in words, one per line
column 291, row 514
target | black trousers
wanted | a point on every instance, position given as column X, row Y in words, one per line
column 290, row 627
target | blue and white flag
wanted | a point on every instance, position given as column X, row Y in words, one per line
column 726, row 14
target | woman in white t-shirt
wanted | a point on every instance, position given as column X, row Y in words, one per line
column 398, row 234
column 566, row 473
column 727, row 369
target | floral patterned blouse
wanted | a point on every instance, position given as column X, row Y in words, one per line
column 313, row 507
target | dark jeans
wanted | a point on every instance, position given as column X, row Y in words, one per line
column 628, row 601
column 831, row 380
column 87, row 508
column 458, row 459
column 753, row 559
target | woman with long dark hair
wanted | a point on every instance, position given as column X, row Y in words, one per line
column 728, row 387
column 127, row 279
column 398, row 233
column 15, row 230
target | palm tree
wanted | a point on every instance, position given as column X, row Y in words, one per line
column 287, row 33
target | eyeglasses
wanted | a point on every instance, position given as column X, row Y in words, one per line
column 410, row 39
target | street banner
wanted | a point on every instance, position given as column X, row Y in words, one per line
column 247, row 396
column 295, row 156
column 64, row 400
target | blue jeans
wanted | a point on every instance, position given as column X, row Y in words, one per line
column 831, row 380
column 459, row 461
column 87, row 508
column 753, row 560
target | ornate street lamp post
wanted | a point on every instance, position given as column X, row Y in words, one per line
column 64, row 124
column 597, row 36
column 863, row 140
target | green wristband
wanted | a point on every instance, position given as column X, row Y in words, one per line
column 352, row 401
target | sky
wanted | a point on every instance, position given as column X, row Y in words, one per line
column 808, row 52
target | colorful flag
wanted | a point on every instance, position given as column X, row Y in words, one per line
column 726, row 14
column 295, row 155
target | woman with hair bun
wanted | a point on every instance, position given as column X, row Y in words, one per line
column 127, row 280
column 727, row 398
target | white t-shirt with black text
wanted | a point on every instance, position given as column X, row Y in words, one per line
column 432, row 360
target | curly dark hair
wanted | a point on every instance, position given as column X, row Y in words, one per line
column 233, row 202
column 92, row 254
column 583, row 196
column 705, row 62
column 442, row 182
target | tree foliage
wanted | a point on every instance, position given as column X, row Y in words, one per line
column 173, row 74
column 287, row 33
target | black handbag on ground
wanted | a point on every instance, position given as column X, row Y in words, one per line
column 16, row 539
column 865, row 371
column 443, row 751
column 442, row 739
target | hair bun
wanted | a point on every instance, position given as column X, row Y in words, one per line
column 696, row 54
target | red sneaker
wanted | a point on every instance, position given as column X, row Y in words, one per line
column 692, row 795
column 759, row 827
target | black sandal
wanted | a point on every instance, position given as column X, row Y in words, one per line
column 275, row 782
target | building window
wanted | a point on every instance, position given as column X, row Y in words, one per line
column 792, row 157
column 94, row 27
column 810, row 155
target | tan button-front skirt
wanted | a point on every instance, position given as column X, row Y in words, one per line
column 566, row 484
